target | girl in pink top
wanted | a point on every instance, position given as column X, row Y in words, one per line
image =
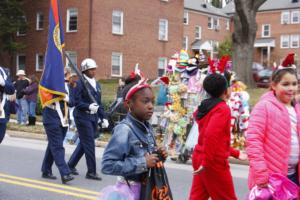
column 272, row 141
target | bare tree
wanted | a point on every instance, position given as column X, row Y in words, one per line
column 243, row 37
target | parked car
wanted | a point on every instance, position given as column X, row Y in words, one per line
column 261, row 75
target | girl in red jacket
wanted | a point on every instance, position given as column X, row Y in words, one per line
column 212, row 177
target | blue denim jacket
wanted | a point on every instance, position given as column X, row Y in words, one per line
column 125, row 153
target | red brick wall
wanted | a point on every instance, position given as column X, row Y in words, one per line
column 139, row 43
column 277, row 29
column 201, row 19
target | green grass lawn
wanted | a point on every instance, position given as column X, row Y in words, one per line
column 255, row 94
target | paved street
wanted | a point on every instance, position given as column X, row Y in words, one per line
column 20, row 177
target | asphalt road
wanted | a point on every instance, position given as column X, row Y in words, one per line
column 20, row 176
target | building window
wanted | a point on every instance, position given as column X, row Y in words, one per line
column 117, row 22
column 116, row 64
column 73, row 58
column 21, row 60
column 186, row 18
column 72, row 16
column 22, row 29
column 284, row 41
column 163, row 30
column 39, row 62
column 285, row 17
column 295, row 17
column 162, row 64
column 185, row 42
column 216, row 23
column 294, row 41
column 266, row 30
column 198, row 32
column 227, row 24
column 39, row 21
column 210, row 22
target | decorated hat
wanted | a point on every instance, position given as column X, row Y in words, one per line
column 218, row 66
column 172, row 62
column 142, row 83
column 288, row 62
column 161, row 80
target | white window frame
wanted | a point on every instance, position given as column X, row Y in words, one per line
column 263, row 30
column 198, row 32
column 210, row 22
column 283, row 15
column 38, row 19
column 163, row 34
column 18, row 32
column 73, row 56
column 17, row 61
column 284, row 38
column 227, row 24
column 294, row 38
column 185, row 43
column 162, row 61
column 37, row 62
column 119, row 14
column 186, row 18
column 217, row 25
column 69, row 12
column 296, row 12
column 120, row 55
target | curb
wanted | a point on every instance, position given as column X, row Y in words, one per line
column 38, row 136
column 102, row 144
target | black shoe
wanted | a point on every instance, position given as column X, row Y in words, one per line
column 93, row 176
column 66, row 178
column 74, row 171
column 48, row 176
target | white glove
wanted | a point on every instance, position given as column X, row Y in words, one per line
column 66, row 99
column 105, row 123
column 93, row 108
column 2, row 81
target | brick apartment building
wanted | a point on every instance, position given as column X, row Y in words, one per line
column 117, row 34
column 204, row 27
column 278, row 32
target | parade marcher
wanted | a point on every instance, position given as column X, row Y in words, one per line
column 55, row 121
column 31, row 92
column 272, row 141
column 87, row 115
column 20, row 84
column 212, row 177
column 6, row 88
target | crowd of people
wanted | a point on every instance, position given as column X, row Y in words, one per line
column 272, row 138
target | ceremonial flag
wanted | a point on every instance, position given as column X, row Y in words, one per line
column 52, row 84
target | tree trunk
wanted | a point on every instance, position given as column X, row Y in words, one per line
column 243, row 38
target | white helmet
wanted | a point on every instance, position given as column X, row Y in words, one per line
column 88, row 63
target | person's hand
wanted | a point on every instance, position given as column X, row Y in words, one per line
column 151, row 160
column 2, row 81
column 66, row 99
column 104, row 123
column 200, row 169
column 163, row 152
column 93, row 108
column 243, row 156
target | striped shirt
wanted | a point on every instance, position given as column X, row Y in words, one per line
column 294, row 154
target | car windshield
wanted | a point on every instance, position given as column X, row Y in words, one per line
column 265, row 72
